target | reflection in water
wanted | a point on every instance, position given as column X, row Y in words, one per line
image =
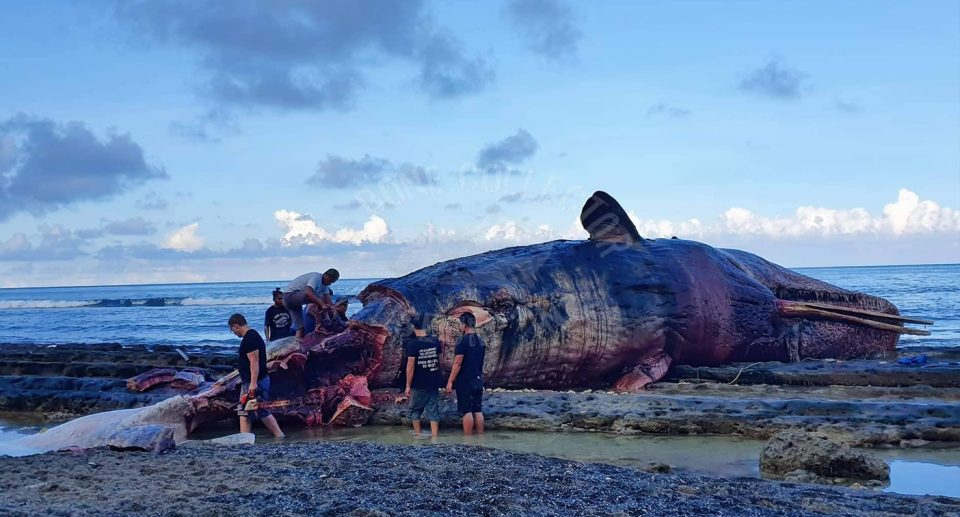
column 711, row 455
column 13, row 429
column 913, row 477
column 912, row 471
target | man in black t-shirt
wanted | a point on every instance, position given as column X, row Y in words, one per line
column 467, row 375
column 254, row 378
column 277, row 323
column 423, row 376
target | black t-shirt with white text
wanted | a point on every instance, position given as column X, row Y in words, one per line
column 426, row 370
column 278, row 320
column 252, row 341
column 472, row 348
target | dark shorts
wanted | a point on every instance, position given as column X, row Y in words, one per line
column 469, row 400
column 263, row 395
column 425, row 402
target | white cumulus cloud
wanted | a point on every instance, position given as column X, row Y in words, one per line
column 185, row 239
column 907, row 216
column 303, row 229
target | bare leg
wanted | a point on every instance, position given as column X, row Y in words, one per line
column 245, row 424
column 434, row 429
column 468, row 424
column 478, row 422
column 272, row 425
column 416, row 427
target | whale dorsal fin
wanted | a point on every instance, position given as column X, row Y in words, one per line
column 605, row 220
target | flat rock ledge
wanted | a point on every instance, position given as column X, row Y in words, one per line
column 864, row 403
column 857, row 423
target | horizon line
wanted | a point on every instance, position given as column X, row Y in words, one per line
column 381, row 278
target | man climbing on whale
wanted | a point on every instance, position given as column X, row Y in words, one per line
column 310, row 288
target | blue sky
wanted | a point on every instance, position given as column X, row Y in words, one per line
column 206, row 141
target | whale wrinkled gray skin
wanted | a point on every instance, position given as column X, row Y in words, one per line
column 618, row 310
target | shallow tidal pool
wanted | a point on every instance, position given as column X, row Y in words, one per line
column 925, row 471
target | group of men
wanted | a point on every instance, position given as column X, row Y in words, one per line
column 307, row 303
column 424, row 379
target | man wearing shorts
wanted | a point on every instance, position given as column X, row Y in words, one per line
column 309, row 288
column 423, row 376
column 467, row 376
column 254, row 378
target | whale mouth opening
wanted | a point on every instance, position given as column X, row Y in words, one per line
column 862, row 317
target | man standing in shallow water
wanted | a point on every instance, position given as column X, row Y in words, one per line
column 254, row 378
column 467, row 375
column 423, row 376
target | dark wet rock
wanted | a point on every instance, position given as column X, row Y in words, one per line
column 144, row 438
column 657, row 468
column 78, row 379
column 427, row 480
column 859, row 422
column 938, row 373
column 816, row 453
column 800, row 476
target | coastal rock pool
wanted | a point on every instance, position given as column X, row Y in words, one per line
column 923, row 471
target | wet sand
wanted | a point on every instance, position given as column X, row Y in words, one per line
column 364, row 479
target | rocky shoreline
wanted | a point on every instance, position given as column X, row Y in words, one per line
column 864, row 403
column 857, row 422
column 372, row 480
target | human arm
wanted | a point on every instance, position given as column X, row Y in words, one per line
column 327, row 300
column 266, row 325
column 312, row 296
column 254, row 358
column 411, row 362
column 457, row 362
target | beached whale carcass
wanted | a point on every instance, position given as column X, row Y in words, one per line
column 618, row 310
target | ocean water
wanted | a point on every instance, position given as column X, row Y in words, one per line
column 196, row 314
column 168, row 314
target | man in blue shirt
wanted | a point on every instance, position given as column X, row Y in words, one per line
column 467, row 375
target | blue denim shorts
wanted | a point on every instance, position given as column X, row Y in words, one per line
column 425, row 401
column 263, row 395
